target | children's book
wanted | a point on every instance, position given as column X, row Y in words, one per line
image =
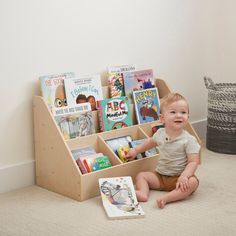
column 119, row 198
column 114, row 113
column 156, row 127
column 97, row 163
column 137, row 80
column 81, row 153
column 148, row 153
column 122, row 151
column 87, row 161
column 84, row 89
column 115, row 143
column 147, row 105
column 115, row 79
column 52, row 89
column 74, row 121
column 84, row 151
column 120, row 146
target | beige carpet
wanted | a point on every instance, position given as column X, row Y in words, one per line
column 210, row 211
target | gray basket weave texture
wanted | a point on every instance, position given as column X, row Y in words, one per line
column 221, row 118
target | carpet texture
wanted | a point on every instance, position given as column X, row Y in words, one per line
column 211, row 210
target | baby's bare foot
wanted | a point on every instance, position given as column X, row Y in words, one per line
column 141, row 197
column 161, row 202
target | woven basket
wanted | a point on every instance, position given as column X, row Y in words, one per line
column 221, row 118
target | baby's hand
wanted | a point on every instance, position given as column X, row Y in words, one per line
column 131, row 154
column 182, row 183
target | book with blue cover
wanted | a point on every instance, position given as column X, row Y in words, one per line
column 147, row 105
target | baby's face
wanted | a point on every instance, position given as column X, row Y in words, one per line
column 175, row 115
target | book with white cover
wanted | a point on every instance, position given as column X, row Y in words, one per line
column 84, row 89
column 119, row 198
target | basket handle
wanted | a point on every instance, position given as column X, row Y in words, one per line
column 209, row 83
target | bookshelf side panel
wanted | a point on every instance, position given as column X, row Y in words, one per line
column 55, row 168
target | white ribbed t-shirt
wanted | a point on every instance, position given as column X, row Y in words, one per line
column 173, row 153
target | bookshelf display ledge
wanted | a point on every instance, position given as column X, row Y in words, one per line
column 57, row 171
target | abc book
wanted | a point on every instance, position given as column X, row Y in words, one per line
column 114, row 113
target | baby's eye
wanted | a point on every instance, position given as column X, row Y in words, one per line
column 172, row 112
column 58, row 102
column 184, row 112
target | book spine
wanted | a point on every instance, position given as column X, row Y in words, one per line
column 100, row 117
column 81, row 166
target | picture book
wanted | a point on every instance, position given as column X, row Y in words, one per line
column 156, row 127
column 122, row 151
column 84, row 165
column 84, row 151
column 147, row 105
column 80, row 153
column 74, row 121
column 101, row 163
column 114, row 113
column 52, row 89
column 98, row 162
column 115, row 79
column 115, row 143
column 120, row 146
column 137, row 80
column 84, row 89
column 148, row 153
column 87, row 161
column 119, row 198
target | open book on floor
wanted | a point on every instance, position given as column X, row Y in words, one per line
column 119, row 198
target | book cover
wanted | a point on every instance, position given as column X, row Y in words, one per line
column 148, row 153
column 156, row 127
column 119, row 198
column 84, row 151
column 101, row 163
column 88, row 161
column 147, row 105
column 84, row 165
column 74, row 121
column 115, row 79
column 122, row 151
column 137, row 80
column 84, row 89
column 52, row 89
column 115, row 143
column 114, row 113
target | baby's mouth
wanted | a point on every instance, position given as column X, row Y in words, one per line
column 178, row 121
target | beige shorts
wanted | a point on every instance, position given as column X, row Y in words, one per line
column 168, row 183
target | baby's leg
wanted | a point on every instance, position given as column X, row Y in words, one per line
column 177, row 194
column 144, row 182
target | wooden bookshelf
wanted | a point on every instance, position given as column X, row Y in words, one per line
column 56, row 169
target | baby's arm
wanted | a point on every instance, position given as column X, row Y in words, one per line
column 189, row 171
column 133, row 152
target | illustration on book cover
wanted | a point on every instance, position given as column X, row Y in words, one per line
column 84, row 89
column 74, row 121
column 114, row 113
column 147, row 105
column 119, row 198
column 52, row 89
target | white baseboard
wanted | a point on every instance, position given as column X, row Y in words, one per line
column 17, row 176
column 22, row 175
column 200, row 128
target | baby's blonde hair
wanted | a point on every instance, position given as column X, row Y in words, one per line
column 171, row 98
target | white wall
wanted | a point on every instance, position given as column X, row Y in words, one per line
column 181, row 40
